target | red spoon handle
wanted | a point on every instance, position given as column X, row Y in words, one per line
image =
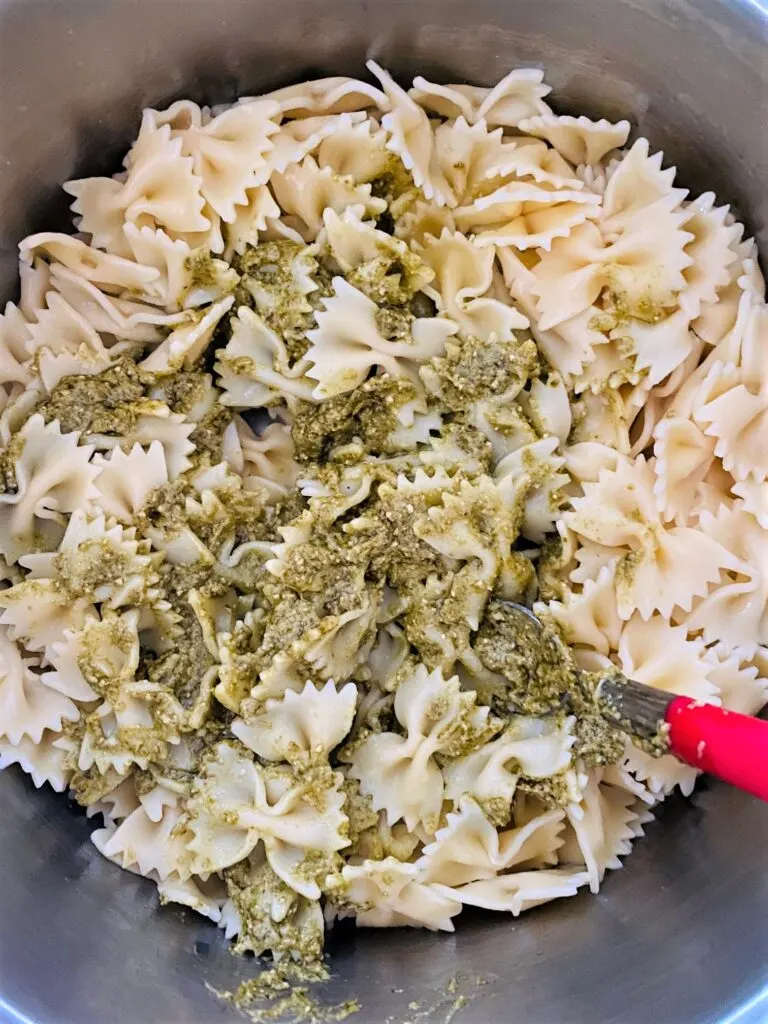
column 724, row 743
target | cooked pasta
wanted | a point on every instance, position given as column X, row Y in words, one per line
column 496, row 353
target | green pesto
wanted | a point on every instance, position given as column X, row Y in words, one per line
column 207, row 437
column 234, row 516
column 368, row 414
column 272, row 273
column 498, row 810
column 88, row 787
column 182, row 668
column 183, row 389
column 95, row 564
column 285, row 510
column 393, row 277
column 359, row 811
column 476, row 451
column 395, row 324
column 626, row 569
column 144, row 782
column 598, row 740
column 235, row 513
column 473, row 370
column 383, row 546
column 537, row 677
column 395, row 186
column 164, row 507
column 242, row 661
column 8, row 459
column 551, row 562
column 379, row 842
column 99, row 404
column 286, row 624
column 619, row 307
column 424, row 622
column 540, row 679
column 141, row 742
column 464, row 734
column 254, row 888
column 553, row 791
column 299, row 1006
column 509, row 420
column 201, row 269
column 113, row 631
column 315, row 780
column 398, row 555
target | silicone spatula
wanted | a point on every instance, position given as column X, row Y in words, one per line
column 729, row 745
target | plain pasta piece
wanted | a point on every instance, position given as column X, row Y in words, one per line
column 160, row 185
column 229, row 153
column 334, row 95
column 410, row 785
column 45, row 762
column 463, row 276
column 601, row 830
column 733, row 613
column 28, row 707
column 668, row 566
column 348, row 341
column 356, row 149
column 265, row 461
column 469, row 848
column 300, row 727
column 127, row 479
column 578, row 139
column 518, row 95
column 521, row 890
column 305, row 190
column 184, row 346
column 411, row 138
column 141, row 844
column 53, row 477
column 112, row 273
column 526, row 215
column 389, row 894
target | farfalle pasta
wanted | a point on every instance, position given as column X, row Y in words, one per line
column 323, row 379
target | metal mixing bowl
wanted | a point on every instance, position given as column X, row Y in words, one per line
column 678, row 937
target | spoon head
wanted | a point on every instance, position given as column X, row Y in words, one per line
column 518, row 613
column 540, row 677
column 535, row 663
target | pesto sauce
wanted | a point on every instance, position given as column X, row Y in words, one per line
column 99, row 404
column 8, row 459
column 393, row 277
column 395, row 186
column 473, row 370
column 183, row 389
column 367, row 414
column 540, row 679
column 255, row 889
column 299, row 1005
column 201, row 269
column 274, row 282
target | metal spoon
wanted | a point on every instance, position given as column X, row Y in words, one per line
column 732, row 746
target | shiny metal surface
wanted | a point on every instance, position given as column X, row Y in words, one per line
column 679, row 936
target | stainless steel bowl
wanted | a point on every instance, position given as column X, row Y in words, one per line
column 678, row 937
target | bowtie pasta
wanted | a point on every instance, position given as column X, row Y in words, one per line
column 322, row 378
